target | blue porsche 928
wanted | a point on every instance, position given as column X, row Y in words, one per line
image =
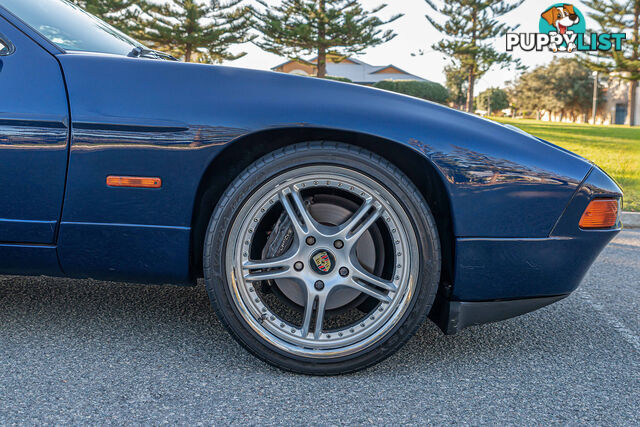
column 328, row 220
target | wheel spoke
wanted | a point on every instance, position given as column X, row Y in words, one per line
column 322, row 301
column 302, row 220
column 274, row 268
column 283, row 261
column 268, row 275
column 315, row 303
column 308, row 312
column 354, row 219
column 367, row 289
column 363, row 275
column 360, row 221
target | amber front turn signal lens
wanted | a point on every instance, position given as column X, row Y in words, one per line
column 601, row 213
column 133, row 181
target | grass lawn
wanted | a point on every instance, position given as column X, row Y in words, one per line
column 616, row 149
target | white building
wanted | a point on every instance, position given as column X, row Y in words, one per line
column 349, row 68
column 617, row 101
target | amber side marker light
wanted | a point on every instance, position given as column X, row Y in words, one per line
column 133, row 182
column 601, row 213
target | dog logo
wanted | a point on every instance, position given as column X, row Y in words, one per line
column 564, row 20
column 322, row 261
column 562, row 29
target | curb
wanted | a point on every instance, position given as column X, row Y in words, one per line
column 631, row 219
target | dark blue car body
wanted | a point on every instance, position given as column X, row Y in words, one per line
column 507, row 204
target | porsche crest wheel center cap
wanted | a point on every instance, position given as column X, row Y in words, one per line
column 322, row 262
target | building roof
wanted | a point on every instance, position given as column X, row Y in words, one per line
column 357, row 71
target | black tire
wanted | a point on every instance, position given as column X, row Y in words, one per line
column 321, row 155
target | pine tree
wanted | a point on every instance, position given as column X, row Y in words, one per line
column 469, row 33
column 196, row 31
column 619, row 16
column 326, row 27
column 122, row 14
column 456, row 84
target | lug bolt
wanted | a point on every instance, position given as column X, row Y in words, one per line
column 338, row 244
column 311, row 240
column 344, row 271
column 319, row 285
column 298, row 266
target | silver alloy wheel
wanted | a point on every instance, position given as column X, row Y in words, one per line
column 323, row 263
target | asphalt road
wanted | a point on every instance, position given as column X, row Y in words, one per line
column 93, row 352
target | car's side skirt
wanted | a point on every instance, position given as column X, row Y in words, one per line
column 125, row 252
column 29, row 259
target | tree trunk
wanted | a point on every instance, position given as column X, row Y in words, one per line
column 322, row 35
column 472, row 81
column 322, row 62
column 187, row 54
column 472, row 67
column 631, row 108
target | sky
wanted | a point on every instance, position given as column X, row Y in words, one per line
column 415, row 34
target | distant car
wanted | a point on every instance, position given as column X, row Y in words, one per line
column 328, row 219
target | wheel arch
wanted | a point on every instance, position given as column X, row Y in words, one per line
column 239, row 154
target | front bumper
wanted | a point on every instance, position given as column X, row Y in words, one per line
column 495, row 279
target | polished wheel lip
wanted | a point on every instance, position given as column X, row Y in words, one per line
column 335, row 343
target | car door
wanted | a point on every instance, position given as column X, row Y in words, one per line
column 34, row 133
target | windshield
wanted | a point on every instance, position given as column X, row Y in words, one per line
column 70, row 27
